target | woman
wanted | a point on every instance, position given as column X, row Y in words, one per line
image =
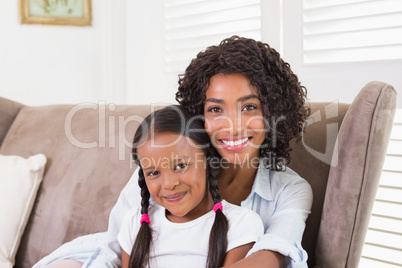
column 253, row 106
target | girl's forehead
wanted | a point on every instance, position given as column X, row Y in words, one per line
column 168, row 143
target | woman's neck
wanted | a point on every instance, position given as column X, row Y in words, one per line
column 236, row 181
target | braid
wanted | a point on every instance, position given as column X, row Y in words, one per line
column 144, row 192
column 218, row 241
column 213, row 189
column 139, row 256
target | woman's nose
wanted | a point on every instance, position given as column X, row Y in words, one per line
column 231, row 121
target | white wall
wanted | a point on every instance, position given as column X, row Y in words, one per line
column 119, row 59
column 44, row 64
column 146, row 78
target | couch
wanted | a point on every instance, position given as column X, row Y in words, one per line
column 87, row 147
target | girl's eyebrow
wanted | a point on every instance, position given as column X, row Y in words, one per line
column 244, row 98
column 182, row 158
column 147, row 168
column 173, row 160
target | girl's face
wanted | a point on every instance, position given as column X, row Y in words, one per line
column 175, row 175
column 234, row 118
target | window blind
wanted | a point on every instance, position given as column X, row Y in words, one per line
column 193, row 25
column 351, row 30
column 383, row 246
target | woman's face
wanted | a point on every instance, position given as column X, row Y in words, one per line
column 234, row 118
column 174, row 170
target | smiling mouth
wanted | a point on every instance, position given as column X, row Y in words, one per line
column 175, row 197
column 232, row 143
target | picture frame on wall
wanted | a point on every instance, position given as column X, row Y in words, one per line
column 56, row 12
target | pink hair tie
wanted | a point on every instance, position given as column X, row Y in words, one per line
column 145, row 217
column 218, row 206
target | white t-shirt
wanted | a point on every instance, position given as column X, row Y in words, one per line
column 282, row 199
column 186, row 244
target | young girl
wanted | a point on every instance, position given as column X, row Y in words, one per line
column 186, row 223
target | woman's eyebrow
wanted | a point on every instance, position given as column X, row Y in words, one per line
column 244, row 98
column 214, row 100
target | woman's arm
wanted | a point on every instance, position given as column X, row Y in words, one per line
column 284, row 212
column 125, row 259
column 245, row 228
column 237, row 254
column 263, row 259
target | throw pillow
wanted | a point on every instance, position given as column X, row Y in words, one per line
column 19, row 181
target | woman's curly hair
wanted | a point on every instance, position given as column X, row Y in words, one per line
column 281, row 94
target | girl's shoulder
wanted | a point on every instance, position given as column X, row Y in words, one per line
column 233, row 212
column 132, row 217
column 133, row 214
column 242, row 220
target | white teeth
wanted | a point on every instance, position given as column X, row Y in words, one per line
column 235, row 143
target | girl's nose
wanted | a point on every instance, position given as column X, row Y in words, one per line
column 170, row 181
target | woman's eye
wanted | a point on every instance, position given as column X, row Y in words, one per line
column 153, row 173
column 214, row 109
column 249, row 107
column 181, row 166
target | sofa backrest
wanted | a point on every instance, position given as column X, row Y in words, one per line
column 88, row 164
column 311, row 159
column 8, row 111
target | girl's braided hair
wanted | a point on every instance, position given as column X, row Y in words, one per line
column 280, row 93
column 176, row 119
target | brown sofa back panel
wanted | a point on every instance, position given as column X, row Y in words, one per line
column 8, row 111
column 82, row 182
column 311, row 159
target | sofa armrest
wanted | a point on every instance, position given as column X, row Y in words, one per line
column 354, row 176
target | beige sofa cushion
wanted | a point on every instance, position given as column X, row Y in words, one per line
column 19, row 181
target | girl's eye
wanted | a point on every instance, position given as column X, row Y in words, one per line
column 214, row 109
column 249, row 107
column 181, row 166
column 153, row 173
